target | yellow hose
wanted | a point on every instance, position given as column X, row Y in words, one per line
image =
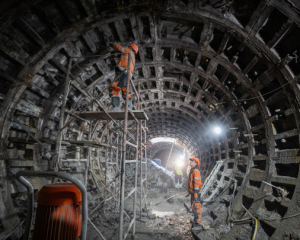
column 255, row 231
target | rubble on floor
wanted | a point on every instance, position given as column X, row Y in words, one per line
column 156, row 175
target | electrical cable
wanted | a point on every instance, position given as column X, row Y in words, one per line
column 255, row 231
column 169, row 198
column 247, row 99
column 276, row 219
column 14, row 229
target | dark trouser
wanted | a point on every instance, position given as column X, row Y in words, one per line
column 178, row 181
column 196, row 208
column 119, row 84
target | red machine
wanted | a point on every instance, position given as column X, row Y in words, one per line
column 58, row 214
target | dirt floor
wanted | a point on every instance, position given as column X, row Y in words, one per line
column 166, row 221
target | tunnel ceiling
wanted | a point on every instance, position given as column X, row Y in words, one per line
column 162, row 150
column 200, row 63
column 196, row 61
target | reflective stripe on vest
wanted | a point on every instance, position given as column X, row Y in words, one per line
column 191, row 179
column 132, row 62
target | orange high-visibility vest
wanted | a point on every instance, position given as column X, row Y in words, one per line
column 123, row 60
column 194, row 181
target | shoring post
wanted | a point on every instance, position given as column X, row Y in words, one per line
column 61, row 118
column 88, row 163
column 122, row 183
column 145, row 141
column 136, row 170
column 140, row 152
column 117, row 168
column 106, row 156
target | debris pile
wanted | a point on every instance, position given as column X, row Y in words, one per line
column 157, row 176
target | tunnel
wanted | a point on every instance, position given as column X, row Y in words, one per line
column 216, row 80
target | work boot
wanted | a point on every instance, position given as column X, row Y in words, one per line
column 115, row 102
column 130, row 104
column 198, row 228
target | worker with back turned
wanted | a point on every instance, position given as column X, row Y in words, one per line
column 120, row 82
column 195, row 191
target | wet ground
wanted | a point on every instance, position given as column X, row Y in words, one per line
column 166, row 221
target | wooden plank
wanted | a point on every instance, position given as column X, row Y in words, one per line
column 29, row 108
column 287, row 10
column 99, row 115
column 206, row 34
column 224, row 42
column 86, row 143
column 89, row 42
column 89, row 6
column 259, row 17
column 19, row 163
column 284, row 180
column 280, row 34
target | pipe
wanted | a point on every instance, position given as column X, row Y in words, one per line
column 63, row 175
column 61, row 119
column 30, row 204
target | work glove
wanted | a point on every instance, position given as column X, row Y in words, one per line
column 111, row 44
column 187, row 195
column 198, row 197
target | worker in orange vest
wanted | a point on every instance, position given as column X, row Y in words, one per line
column 120, row 82
column 195, row 192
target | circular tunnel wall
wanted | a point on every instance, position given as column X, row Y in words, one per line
column 197, row 67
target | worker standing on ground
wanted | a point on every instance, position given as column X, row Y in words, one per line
column 195, row 191
column 120, row 81
column 178, row 175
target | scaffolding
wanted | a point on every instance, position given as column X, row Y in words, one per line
column 115, row 159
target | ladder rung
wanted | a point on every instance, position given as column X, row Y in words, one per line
column 131, row 144
column 144, row 162
column 144, row 179
column 111, row 163
column 130, row 161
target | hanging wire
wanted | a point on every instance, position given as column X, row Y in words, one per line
column 247, row 99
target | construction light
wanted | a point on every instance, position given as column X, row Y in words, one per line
column 181, row 157
column 217, row 130
column 179, row 163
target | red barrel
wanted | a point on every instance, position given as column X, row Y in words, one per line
column 58, row 214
